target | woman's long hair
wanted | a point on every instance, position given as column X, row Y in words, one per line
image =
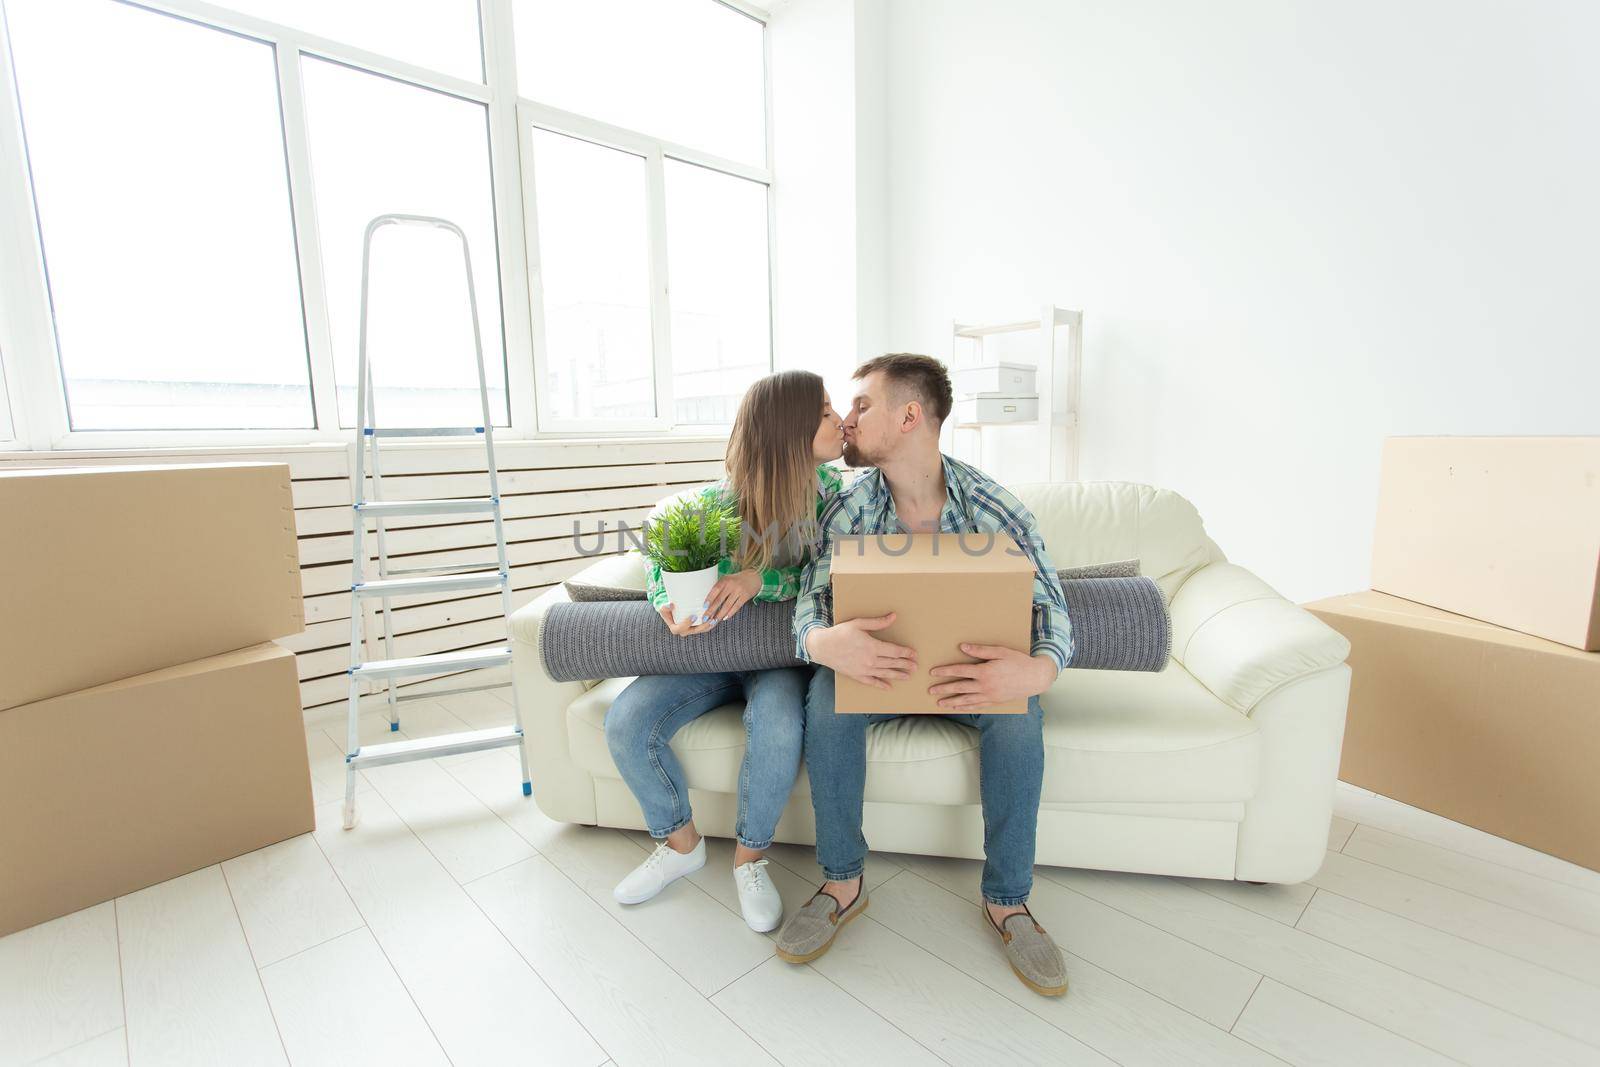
column 772, row 469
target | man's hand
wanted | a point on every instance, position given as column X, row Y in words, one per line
column 851, row 650
column 1004, row 674
column 684, row 628
column 731, row 593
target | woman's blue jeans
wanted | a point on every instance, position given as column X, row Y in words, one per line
column 652, row 708
column 1010, row 782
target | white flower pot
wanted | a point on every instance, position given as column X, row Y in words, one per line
column 687, row 592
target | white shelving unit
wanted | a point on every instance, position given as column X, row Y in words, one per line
column 1058, row 382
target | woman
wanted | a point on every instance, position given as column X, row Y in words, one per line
column 783, row 436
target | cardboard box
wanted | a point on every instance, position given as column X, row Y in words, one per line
column 1483, row 725
column 110, row 572
column 1504, row 529
column 946, row 589
column 110, row 789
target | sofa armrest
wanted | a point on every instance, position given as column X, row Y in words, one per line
column 563, row 790
column 1242, row 640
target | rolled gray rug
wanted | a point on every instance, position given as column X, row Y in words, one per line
column 1118, row 624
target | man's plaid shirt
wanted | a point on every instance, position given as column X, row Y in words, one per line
column 974, row 503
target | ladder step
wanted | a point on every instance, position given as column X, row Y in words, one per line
column 430, row 694
column 437, row 583
column 421, row 431
column 433, row 747
column 475, row 505
column 469, row 660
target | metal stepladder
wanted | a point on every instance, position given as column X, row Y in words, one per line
column 419, row 580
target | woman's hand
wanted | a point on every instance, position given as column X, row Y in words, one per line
column 684, row 628
column 731, row 593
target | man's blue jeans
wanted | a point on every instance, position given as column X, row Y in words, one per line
column 1010, row 779
column 652, row 708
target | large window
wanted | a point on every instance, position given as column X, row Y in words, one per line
column 156, row 147
column 717, row 260
column 198, row 176
column 686, row 71
column 380, row 145
column 594, row 263
column 649, row 207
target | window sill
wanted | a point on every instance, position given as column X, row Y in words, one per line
column 291, row 445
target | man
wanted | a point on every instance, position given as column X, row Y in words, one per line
column 893, row 426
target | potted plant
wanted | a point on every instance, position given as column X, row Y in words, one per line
column 688, row 541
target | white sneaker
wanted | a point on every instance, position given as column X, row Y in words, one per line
column 663, row 867
column 758, row 897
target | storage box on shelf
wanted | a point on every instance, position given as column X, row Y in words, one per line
column 990, row 391
column 1001, row 378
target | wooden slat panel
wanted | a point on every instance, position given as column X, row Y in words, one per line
column 335, row 657
column 334, row 689
column 332, row 492
column 537, row 455
column 334, row 661
column 316, row 551
column 310, row 522
column 335, row 577
column 318, row 635
column 337, row 605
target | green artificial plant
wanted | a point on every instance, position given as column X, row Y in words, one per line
column 692, row 534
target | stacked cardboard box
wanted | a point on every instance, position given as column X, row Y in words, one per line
column 1476, row 689
column 148, row 727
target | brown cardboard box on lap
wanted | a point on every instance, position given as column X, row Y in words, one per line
column 1483, row 725
column 946, row 589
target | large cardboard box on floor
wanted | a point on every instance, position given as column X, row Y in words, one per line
column 1484, row 725
column 108, row 790
column 110, row 572
column 1504, row 529
column 945, row 589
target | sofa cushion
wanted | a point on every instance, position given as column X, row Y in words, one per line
column 620, row 573
column 1084, row 523
column 1108, row 737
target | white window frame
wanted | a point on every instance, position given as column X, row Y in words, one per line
column 530, row 114
column 8, row 419
column 655, row 152
column 29, row 359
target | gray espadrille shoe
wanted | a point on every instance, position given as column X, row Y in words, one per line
column 809, row 931
column 1033, row 956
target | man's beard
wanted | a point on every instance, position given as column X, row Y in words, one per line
column 852, row 455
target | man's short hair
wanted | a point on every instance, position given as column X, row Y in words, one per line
column 923, row 376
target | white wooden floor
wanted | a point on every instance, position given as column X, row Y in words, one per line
column 457, row 925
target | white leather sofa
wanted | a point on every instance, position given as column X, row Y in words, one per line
column 1222, row 766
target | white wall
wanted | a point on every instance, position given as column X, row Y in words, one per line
column 812, row 55
column 872, row 177
column 831, row 220
column 1294, row 228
